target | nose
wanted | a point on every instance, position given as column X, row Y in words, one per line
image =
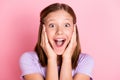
column 59, row 30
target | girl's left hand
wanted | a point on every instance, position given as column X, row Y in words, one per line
column 71, row 47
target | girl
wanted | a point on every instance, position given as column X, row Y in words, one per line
column 57, row 54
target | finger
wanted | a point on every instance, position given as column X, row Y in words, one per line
column 46, row 38
column 45, row 35
column 74, row 34
column 42, row 37
column 46, row 43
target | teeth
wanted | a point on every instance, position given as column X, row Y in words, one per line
column 59, row 42
column 59, row 39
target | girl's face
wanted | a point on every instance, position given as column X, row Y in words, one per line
column 59, row 28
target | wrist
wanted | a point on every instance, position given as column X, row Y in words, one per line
column 66, row 58
column 52, row 57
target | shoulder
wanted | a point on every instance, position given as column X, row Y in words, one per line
column 29, row 63
column 29, row 60
column 85, row 64
column 26, row 56
column 85, row 58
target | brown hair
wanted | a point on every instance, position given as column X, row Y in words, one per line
column 40, row 52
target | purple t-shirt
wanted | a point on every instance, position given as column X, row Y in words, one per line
column 29, row 64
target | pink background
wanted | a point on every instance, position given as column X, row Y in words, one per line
column 99, row 28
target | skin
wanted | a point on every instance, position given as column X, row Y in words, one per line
column 58, row 24
column 59, row 27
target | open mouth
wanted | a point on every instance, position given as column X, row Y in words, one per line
column 59, row 42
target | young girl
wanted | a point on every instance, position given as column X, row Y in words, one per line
column 57, row 54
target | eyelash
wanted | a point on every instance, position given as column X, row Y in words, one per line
column 67, row 25
column 53, row 25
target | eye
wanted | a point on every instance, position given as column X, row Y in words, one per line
column 51, row 25
column 67, row 25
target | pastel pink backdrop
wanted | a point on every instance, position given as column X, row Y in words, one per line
column 98, row 23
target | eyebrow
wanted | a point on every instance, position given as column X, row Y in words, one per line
column 55, row 20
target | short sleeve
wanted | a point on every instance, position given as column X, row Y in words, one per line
column 29, row 64
column 85, row 65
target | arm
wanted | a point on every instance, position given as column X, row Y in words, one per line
column 28, row 67
column 84, row 68
column 52, row 71
column 66, row 70
column 26, row 62
column 80, row 76
column 35, row 76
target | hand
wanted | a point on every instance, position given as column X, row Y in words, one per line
column 46, row 46
column 72, row 45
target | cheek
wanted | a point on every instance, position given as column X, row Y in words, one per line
column 69, row 34
column 50, row 34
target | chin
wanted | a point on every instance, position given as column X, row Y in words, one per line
column 59, row 52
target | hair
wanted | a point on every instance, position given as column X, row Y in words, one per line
column 38, row 49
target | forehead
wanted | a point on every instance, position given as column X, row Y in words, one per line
column 59, row 14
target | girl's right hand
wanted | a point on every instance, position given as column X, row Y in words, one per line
column 46, row 46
